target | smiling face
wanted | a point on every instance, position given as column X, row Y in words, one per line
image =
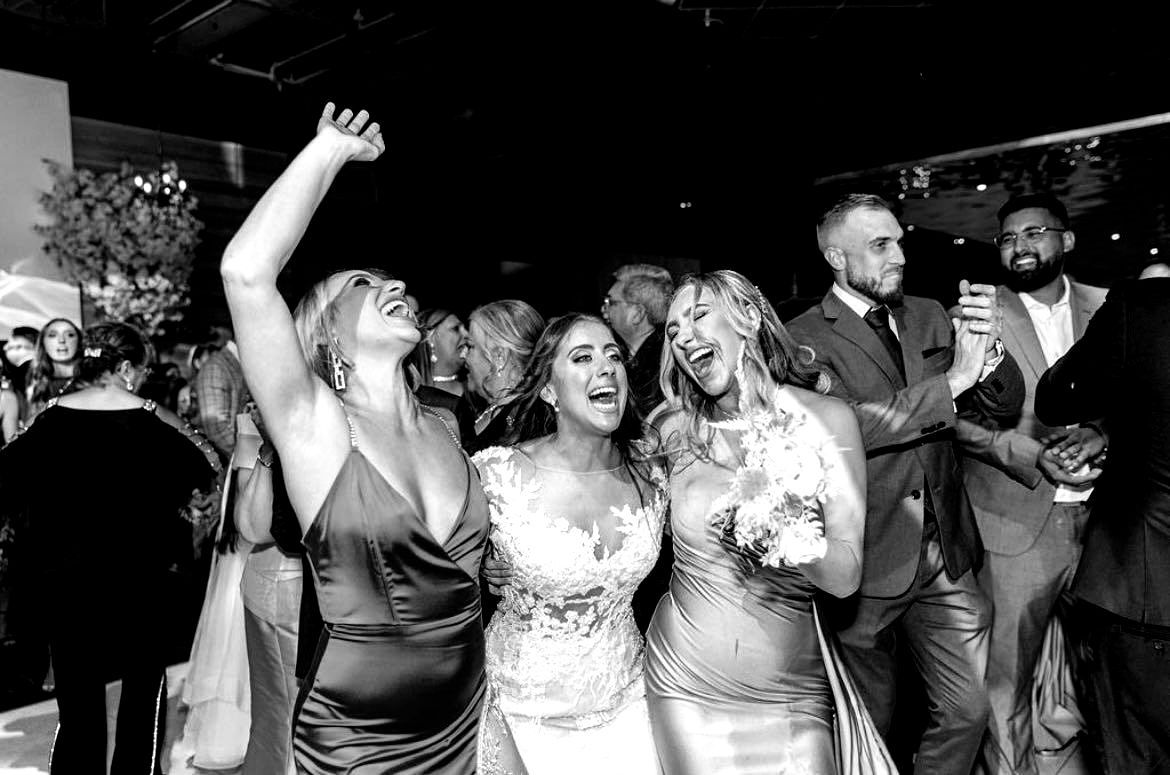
column 1034, row 262
column 865, row 252
column 60, row 341
column 369, row 312
column 448, row 340
column 705, row 345
column 588, row 380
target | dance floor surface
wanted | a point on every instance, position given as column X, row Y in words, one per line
column 26, row 734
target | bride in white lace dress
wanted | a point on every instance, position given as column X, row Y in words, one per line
column 579, row 519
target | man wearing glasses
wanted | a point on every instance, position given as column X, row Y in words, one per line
column 1030, row 509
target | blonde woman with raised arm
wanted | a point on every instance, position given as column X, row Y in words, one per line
column 394, row 518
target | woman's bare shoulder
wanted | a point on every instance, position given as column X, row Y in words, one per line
column 832, row 411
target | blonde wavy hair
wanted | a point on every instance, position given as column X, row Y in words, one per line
column 315, row 317
column 769, row 357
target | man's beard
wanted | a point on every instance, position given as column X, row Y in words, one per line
column 871, row 288
column 1037, row 277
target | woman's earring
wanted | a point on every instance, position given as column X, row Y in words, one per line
column 129, row 384
column 338, row 374
column 434, row 358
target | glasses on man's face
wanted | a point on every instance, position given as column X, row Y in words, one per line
column 607, row 302
column 1029, row 236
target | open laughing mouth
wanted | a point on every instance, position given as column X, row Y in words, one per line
column 700, row 360
column 604, row 398
column 397, row 308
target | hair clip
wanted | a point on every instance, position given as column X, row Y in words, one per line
column 93, row 352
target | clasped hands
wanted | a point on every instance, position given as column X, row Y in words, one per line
column 1072, row 456
column 977, row 329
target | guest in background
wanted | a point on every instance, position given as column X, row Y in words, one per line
column 1120, row 370
column 105, row 623
column 635, row 306
column 1031, row 512
column 9, row 411
column 19, row 351
column 446, row 339
column 910, row 373
column 221, row 394
column 271, row 588
column 439, row 360
column 51, row 369
column 501, row 337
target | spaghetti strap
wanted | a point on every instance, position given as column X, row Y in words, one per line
column 454, row 437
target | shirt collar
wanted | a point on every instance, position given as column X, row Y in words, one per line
column 852, row 302
column 1031, row 303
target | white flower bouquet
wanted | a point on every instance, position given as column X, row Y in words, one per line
column 772, row 512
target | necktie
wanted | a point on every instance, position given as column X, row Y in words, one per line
column 878, row 319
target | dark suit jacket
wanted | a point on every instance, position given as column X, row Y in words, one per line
column 908, row 431
column 1121, row 369
column 1011, row 498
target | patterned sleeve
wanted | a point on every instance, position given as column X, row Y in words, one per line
column 217, row 409
column 200, row 458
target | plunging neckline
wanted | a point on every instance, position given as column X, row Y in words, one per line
column 422, row 523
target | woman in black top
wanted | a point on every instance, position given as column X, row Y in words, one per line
column 103, row 475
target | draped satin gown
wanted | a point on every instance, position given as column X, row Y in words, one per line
column 397, row 683
column 735, row 681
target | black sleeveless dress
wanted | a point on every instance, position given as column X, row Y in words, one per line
column 397, row 683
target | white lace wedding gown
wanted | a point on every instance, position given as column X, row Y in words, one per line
column 564, row 656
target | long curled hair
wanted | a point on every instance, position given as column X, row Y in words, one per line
column 535, row 418
column 770, row 356
column 41, row 373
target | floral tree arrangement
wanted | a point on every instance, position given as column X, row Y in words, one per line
column 126, row 239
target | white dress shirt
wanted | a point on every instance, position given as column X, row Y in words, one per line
column 1054, row 329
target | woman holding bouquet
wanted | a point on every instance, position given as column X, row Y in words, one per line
column 736, row 680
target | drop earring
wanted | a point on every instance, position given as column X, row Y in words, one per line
column 338, row 371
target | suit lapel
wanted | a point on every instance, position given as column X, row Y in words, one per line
column 848, row 324
column 1079, row 309
column 1019, row 333
column 910, row 337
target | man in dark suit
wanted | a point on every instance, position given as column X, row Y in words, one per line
column 1120, row 369
column 909, row 374
column 1031, row 513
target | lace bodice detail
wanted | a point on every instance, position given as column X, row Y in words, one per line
column 562, row 646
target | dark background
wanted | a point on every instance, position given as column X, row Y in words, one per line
column 563, row 137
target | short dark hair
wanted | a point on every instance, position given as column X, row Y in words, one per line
column 26, row 332
column 1042, row 200
column 836, row 213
